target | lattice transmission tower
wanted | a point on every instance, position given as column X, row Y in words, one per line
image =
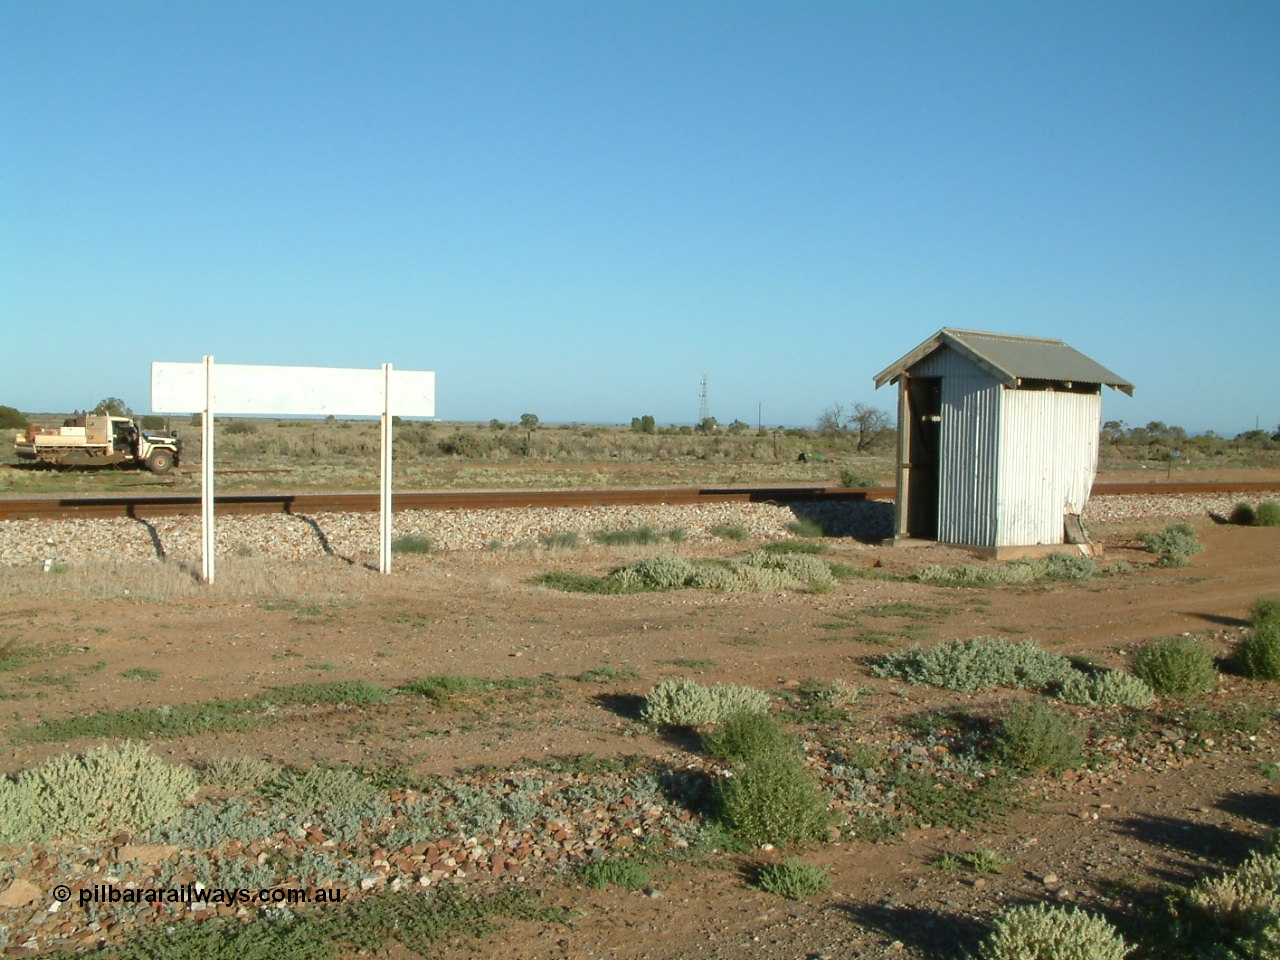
column 704, row 409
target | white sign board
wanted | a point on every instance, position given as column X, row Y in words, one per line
column 291, row 391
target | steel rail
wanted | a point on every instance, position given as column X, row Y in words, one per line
column 144, row 505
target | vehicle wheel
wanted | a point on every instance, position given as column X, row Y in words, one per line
column 160, row 461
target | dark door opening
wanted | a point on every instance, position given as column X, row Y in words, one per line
column 924, row 406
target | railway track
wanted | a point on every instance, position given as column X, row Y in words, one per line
column 143, row 506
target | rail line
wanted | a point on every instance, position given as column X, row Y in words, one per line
column 142, row 505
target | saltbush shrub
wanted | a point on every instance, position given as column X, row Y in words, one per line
column 977, row 664
column 108, row 789
column 804, row 567
column 1174, row 544
column 239, row 774
column 1268, row 514
column 663, row 572
column 686, row 703
column 1176, row 666
column 1235, row 916
column 1052, row 933
column 1033, row 737
column 1107, row 688
column 1056, row 566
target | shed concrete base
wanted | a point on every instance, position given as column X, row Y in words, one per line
column 1001, row 553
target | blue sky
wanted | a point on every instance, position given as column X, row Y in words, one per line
column 579, row 209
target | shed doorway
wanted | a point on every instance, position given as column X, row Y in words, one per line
column 924, row 411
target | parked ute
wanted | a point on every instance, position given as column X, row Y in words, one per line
column 98, row 440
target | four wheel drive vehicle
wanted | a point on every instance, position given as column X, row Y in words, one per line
column 96, row 440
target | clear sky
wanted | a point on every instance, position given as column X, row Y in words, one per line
column 579, row 208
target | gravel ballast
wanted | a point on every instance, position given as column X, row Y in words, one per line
column 297, row 537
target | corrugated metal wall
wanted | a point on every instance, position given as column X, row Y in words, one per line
column 970, row 444
column 1011, row 462
column 1049, row 455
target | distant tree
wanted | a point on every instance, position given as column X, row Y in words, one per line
column 869, row 422
column 645, row 424
column 496, row 424
column 113, row 406
column 152, row 422
column 11, row 418
column 738, row 426
column 831, row 420
column 708, row 425
column 529, row 421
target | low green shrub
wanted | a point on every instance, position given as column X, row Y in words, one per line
column 1052, row 933
column 977, row 664
column 747, row 736
column 412, row 545
column 632, row 536
column 564, row 540
column 1268, row 514
column 410, row 921
column 1173, row 545
column 793, row 879
column 1243, row 515
column 1264, row 612
column 773, row 799
column 806, row 528
column 445, row 688
column 614, row 873
column 1033, row 737
column 1106, row 688
column 729, row 531
column 979, row 861
column 830, row 700
column 108, row 789
column 1176, row 666
column 686, row 703
column 795, row 546
column 856, row 479
column 1257, row 655
column 318, row 788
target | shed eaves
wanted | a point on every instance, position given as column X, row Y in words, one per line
column 1011, row 358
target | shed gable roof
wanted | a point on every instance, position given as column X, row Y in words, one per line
column 1010, row 359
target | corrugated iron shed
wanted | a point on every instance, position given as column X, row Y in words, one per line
column 1011, row 359
column 997, row 439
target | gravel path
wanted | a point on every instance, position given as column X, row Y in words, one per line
column 27, row 542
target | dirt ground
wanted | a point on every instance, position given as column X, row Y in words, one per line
column 1100, row 839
